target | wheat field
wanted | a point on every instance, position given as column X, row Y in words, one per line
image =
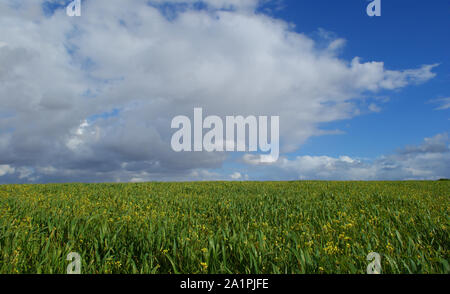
column 226, row 227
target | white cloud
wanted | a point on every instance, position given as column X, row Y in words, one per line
column 6, row 169
column 374, row 108
column 236, row 176
column 444, row 103
column 430, row 160
column 57, row 72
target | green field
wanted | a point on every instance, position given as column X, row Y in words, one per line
column 226, row 227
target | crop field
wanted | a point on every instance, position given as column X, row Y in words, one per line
column 226, row 227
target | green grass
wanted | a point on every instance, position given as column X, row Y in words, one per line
column 226, row 227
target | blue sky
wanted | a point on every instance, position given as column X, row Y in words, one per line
column 408, row 34
column 91, row 98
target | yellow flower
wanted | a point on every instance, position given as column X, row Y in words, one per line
column 389, row 247
column 204, row 250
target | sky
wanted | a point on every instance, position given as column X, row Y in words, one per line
column 91, row 98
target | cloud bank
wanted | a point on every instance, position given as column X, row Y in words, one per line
column 91, row 98
column 427, row 161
